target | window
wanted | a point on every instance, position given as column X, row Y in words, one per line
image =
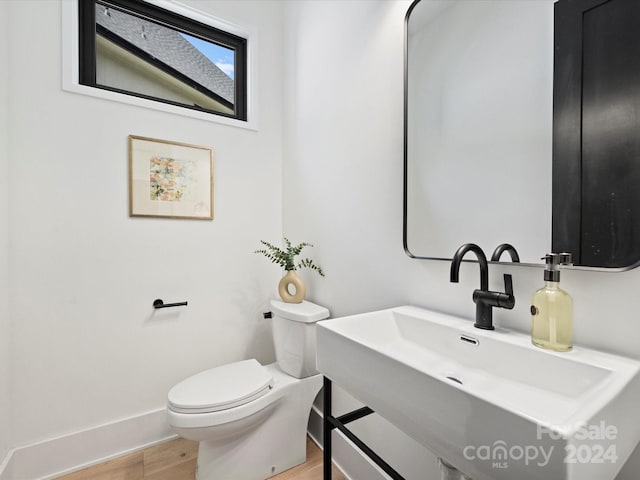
column 136, row 48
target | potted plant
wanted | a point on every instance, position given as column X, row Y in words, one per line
column 286, row 258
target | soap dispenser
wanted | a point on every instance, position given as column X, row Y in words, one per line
column 552, row 308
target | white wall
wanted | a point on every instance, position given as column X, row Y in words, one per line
column 343, row 192
column 87, row 347
column 343, row 174
column 5, row 413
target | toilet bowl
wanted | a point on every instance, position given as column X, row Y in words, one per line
column 251, row 420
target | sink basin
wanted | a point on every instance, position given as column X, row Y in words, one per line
column 488, row 402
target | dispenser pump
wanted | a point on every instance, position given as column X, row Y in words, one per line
column 552, row 308
column 553, row 262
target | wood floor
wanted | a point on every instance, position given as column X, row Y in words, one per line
column 311, row 469
column 176, row 460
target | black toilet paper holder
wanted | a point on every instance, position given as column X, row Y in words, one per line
column 158, row 303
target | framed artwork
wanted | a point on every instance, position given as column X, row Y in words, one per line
column 170, row 179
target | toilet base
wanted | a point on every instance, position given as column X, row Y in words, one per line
column 267, row 443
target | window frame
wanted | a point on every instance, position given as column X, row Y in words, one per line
column 193, row 23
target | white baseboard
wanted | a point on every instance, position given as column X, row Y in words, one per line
column 4, row 465
column 57, row 456
column 65, row 454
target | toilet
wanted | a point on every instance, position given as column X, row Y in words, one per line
column 251, row 420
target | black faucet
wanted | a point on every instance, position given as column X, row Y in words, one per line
column 484, row 299
column 505, row 247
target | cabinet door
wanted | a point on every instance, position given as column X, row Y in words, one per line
column 596, row 133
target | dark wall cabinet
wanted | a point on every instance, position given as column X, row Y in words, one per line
column 596, row 132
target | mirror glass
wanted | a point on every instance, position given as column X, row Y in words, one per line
column 479, row 128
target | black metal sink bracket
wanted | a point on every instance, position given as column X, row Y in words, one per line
column 330, row 422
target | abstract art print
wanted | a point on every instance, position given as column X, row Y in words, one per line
column 170, row 179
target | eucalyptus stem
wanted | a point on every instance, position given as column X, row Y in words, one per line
column 286, row 257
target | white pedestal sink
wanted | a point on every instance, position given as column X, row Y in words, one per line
column 488, row 402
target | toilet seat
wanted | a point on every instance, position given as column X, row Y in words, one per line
column 221, row 388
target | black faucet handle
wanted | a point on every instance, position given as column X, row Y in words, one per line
column 508, row 284
column 506, row 299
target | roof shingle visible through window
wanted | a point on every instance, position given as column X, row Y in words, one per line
column 170, row 48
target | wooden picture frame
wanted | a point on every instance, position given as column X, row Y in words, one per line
column 170, row 179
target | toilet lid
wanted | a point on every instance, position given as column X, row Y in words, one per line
column 221, row 388
column 305, row 312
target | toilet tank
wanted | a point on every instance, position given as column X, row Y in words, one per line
column 294, row 336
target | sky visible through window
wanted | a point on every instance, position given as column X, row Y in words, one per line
column 220, row 56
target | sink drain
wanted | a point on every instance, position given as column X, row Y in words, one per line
column 454, row 379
